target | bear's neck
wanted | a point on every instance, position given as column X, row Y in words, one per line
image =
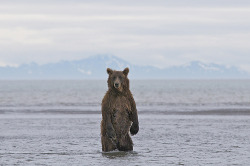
column 116, row 92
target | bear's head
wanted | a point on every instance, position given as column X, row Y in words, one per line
column 118, row 80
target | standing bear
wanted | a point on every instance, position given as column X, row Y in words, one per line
column 119, row 114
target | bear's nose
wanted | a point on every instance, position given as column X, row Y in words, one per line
column 116, row 85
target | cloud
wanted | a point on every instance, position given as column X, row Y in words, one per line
column 159, row 33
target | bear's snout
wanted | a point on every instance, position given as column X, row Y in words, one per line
column 117, row 85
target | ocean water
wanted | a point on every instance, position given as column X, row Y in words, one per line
column 152, row 96
column 182, row 122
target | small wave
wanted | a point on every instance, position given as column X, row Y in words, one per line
column 148, row 110
column 43, row 153
column 192, row 104
column 224, row 111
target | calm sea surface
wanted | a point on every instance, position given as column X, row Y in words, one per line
column 182, row 122
column 168, row 96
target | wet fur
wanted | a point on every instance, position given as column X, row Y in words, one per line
column 119, row 114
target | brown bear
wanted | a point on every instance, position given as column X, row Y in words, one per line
column 119, row 113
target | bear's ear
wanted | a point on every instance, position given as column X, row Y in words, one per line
column 125, row 71
column 109, row 71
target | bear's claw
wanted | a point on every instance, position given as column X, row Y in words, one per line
column 134, row 128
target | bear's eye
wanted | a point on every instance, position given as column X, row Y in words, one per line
column 120, row 77
column 114, row 77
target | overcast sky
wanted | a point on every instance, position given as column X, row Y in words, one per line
column 161, row 33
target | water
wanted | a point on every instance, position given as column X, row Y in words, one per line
column 182, row 122
column 171, row 96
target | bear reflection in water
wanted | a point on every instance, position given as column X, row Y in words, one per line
column 119, row 154
column 119, row 114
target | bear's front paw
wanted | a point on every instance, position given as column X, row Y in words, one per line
column 134, row 128
column 111, row 133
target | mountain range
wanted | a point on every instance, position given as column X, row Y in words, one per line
column 94, row 67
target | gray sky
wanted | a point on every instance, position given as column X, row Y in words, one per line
column 159, row 33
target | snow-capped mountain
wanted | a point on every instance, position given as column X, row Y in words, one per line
column 196, row 69
column 94, row 67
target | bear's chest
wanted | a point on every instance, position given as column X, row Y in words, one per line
column 121, row 104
